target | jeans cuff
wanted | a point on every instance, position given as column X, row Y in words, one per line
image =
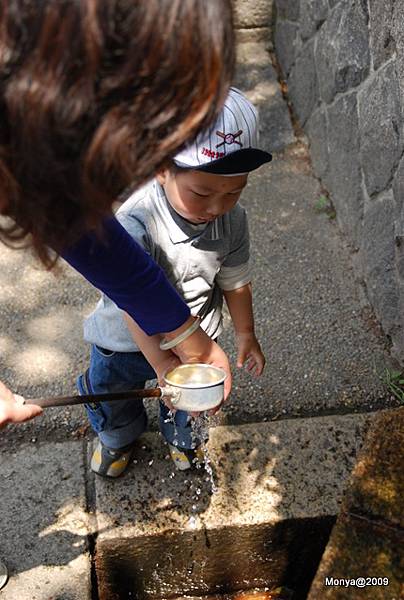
column 124, row 436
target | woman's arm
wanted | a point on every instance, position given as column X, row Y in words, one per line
column 119, row 267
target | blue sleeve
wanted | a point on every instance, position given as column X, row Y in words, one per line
column 119, row 267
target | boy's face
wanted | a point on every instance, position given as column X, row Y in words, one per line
column 201, row 197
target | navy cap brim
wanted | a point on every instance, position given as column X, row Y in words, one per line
column 241, row 161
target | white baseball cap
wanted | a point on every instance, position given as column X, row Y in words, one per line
column 230, row 146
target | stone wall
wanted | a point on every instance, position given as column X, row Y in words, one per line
column 344, row 64
column 253, row 20
column 256, row 76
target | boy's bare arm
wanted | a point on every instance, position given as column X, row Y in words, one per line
column 239, row 302
column 149, row 345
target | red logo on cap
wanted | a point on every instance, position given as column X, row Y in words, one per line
column 212, row 153
column 229, row 138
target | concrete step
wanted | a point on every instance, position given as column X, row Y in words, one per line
column 164, row 534
column 279, row 489
column 44, row 522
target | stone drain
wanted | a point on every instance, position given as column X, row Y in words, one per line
column 279, row 487
column 219, row 561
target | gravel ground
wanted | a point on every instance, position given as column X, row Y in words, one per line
column 323, row 347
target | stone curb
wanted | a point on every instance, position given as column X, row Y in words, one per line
column 367, row 541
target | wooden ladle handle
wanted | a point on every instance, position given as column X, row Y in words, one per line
column 91, row 398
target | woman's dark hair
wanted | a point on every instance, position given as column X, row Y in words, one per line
column 94, row 96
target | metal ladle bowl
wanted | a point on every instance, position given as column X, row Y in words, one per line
column 199, row 386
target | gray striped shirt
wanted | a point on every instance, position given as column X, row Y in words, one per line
column 199, row 260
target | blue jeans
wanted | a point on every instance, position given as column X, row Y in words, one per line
column 120, row 422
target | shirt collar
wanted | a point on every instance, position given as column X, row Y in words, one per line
column 179, row 229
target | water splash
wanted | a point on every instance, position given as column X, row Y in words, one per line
column 171, row 419
column 192, row 522
column 199, row 436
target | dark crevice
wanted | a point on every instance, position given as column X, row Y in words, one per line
column 376, row 521
column 297, row 128
column 92, row 538
column 90, row 498
column 395, row 168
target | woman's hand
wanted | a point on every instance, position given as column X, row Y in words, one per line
column 198, row 347
column 13, row 409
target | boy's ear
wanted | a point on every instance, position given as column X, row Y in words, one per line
column 161, row 176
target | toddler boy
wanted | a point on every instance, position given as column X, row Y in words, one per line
column 189, row 220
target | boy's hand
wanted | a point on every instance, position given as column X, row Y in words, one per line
column 249, row 353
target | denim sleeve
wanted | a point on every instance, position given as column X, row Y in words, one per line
column 119, row 267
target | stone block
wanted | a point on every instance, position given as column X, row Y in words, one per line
column 343, row 178
column 255, row 55
column 256, row 34
column 44, row 524
column 399, row 244
column 164, row 534
column 397, row 22
column 313, row 14
column 377, row 482
column 287, row 44
column 317, row 131
column 288, row 9
column 214, row 561
column 382, row 40
column 248, row 15
column 380, row 128
column 248, row 76
column 397, row 349
column 275, row 130
column 398, row 191
column 303, row 84
column 378, row 260
column 342, row 50
column 367, row 538
column 358, row 549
